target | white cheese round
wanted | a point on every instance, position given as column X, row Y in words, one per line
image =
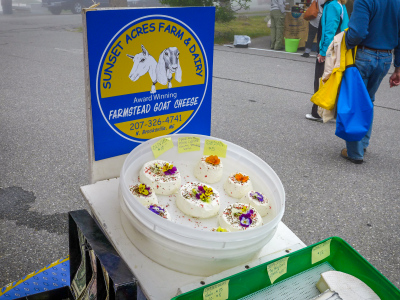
column 200, row 206
column 237, row 189
column 152, row 174
column 258, row 200
column 146, row 200
column 160, row 211
column 239, row 216
column 347, row 286
column 207, row 172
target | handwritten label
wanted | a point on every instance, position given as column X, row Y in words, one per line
column 277, row 269
column 162, row 146
column 219, row 291
column 213, row 147
column 321, row 251
column 188, row 144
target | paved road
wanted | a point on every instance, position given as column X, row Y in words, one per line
column 259, row 102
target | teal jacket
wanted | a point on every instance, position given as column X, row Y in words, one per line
column 330, row 22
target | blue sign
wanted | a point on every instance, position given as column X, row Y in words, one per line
column 150, row 74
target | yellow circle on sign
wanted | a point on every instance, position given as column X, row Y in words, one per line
column 152, row 55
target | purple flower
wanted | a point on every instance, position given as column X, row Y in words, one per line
column 245, row 219
column 157, row 210
column 201, row 191
column 257, row 196
column 170, row 171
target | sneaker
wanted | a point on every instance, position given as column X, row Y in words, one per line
column 310, row 117
column 354, row 161
column 305, row 54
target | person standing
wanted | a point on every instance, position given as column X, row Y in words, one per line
column 334, row 20
column 313, row 29
column 375, row 28
column 277, row 24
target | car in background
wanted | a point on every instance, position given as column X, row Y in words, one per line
column 76, row 6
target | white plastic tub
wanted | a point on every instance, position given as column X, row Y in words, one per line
column 186, row 244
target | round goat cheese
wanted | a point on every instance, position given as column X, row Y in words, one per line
column 258, row 201
column 239, row 216
column 162, row 176
column 160, row 211
column 209, row 169
column 237, row 185
column 198, row 200
column 144, row 194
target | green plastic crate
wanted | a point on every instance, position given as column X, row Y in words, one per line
column 342, row 258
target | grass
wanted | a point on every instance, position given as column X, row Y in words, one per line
column 252, row 26
column 255, row 12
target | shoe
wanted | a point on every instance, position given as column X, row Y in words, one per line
column 310, row 117
column 305, row 54
column 354, row 161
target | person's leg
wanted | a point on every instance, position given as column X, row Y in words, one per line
column 280, row 28
column 312, row 31
column 373, row 67
column 273, row 28
column 319, row 70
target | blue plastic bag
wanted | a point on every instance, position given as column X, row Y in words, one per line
column 354, row 107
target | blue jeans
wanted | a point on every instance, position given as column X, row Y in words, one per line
column 373, row 67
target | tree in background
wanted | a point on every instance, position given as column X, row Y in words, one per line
column 225, row 9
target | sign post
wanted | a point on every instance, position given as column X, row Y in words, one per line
column 148, row 74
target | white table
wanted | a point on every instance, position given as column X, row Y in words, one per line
column 156, row 281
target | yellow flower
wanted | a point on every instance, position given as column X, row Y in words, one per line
column 207, row 190
column 142, row 189
column 219, row 229
column 203, row 197
column 167, row 167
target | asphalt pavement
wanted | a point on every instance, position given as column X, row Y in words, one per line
column 260, row 98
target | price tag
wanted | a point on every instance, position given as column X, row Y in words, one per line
column 320, row 252
column 213, row 147
column 162, row 146
column 188, row 144
column 219, row 291
column 277, row 269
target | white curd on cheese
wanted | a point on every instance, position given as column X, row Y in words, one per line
column 237, row 185
column 258, row 200
column 163, row 179
column 239, row 216
column 198, row 200
column 209, row 169
column 144, row 194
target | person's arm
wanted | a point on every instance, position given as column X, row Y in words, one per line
column 395, row 78
column 329, row 28
column 281, row 4
column 359, row 23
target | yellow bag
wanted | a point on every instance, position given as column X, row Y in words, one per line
column 327, row 93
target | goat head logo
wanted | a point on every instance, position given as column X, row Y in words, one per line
column 143, row 62
column 161, row 71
